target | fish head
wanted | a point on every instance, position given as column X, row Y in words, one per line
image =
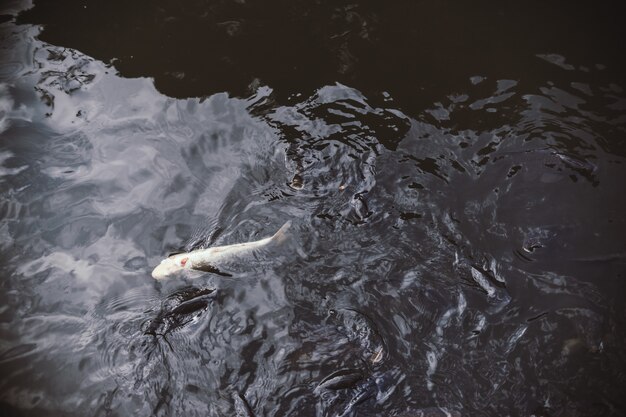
column 169, row 266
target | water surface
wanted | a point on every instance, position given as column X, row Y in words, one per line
column 454, row 175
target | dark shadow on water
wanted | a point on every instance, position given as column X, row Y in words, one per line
column 415, row 50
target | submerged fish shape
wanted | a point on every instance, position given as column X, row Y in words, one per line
column 208, row 259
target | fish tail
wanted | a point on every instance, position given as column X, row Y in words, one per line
column 281, row 235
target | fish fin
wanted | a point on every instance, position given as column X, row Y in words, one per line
column 211, row 269
column 281, row 235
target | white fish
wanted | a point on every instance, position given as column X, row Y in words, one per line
column 209, row 259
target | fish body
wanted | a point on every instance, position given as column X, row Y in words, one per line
column 208, row 259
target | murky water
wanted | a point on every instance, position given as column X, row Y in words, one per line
column 454, row 174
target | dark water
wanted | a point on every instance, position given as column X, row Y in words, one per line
column 454, row 173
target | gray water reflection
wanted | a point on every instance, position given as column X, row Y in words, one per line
column 470, row 257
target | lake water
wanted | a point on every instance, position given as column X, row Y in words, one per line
column 454, row 173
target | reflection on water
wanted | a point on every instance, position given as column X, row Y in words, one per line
column 456, row 252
